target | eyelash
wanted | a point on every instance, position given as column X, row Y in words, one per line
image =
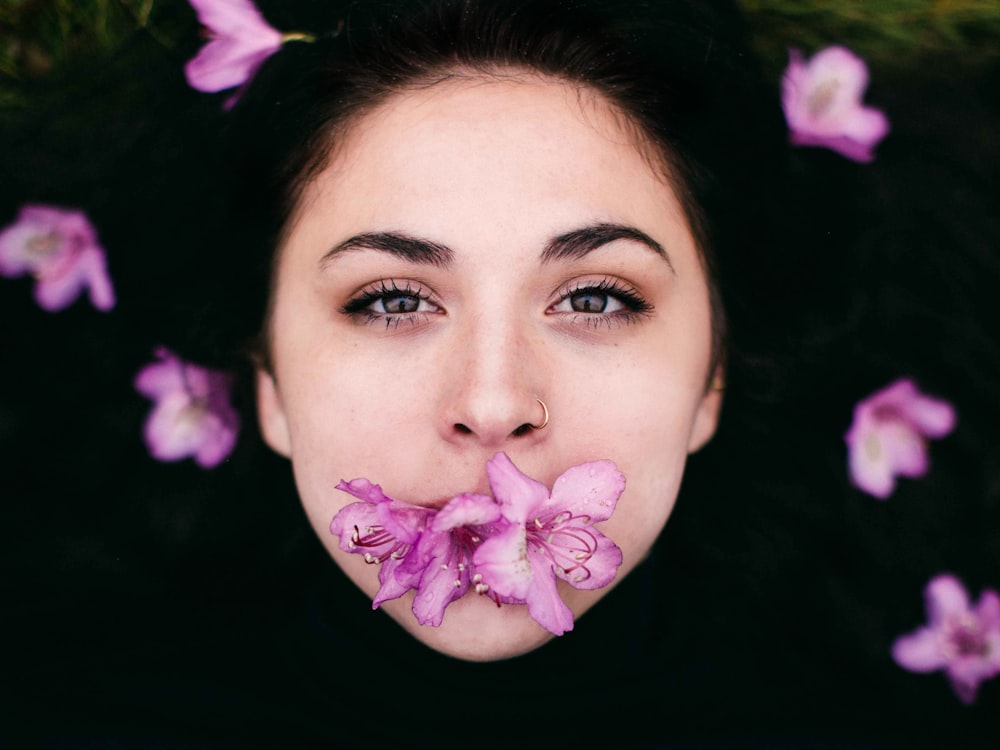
column 634, row 305
column 359, row 307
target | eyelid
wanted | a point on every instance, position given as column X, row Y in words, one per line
column 627, row 294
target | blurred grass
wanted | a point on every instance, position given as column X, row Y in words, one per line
column 47, row 44
column 892, row 35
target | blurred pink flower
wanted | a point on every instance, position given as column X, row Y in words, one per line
column 59, row 248
column 241, row 40
column 961, row 639
column 822, row 103
column 887, row 437
column 192, row 415
column 550, row 535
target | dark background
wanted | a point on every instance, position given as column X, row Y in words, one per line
column 164, row 605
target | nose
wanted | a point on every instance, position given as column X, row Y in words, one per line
column 496, row 390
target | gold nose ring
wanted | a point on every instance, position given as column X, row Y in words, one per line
column 545, row 416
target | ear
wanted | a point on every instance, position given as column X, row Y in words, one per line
column 271, row 415
column 706, row 419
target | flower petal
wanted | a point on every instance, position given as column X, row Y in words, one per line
column 600, row 568
column 906, row 452
column 443, row 577
column 920, row 651
column 987, row 611
column 944, row 597
column 173, row 429
column 351, row 516
column 589, row 489
column 218, row 440
column 519, row 495
column 502, row 560
column 160, row 378
column 228, row 16
column 467, row 509
column 935, row 418
column 226, row 63
column 869, row 464
column 243, row 40
column 57, row 288
column 545, row 605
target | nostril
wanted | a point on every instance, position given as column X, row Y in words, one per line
column 522, row 430
column 463, row 429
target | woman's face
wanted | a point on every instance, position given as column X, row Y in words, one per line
column 424, row 300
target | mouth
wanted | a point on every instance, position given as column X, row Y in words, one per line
column 513, row 543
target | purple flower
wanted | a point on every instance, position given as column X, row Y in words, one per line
column 241, row 40
column 512, row 547
column 549, row 536
column 192, row 415
column 59, row 248
column 888, row 434
column 441, row 566
column 384, row 531
column 961, row 639
column 417, row 548
column 822, row 103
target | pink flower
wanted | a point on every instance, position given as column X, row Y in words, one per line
column 384, row 531
column 192, row 416
column 59, row 248
column 961, row 639
column 417, row 548
column 888, row 434
column 241, row 40
column 512, row 547
column 549, row 536
column 441, row 566
column 822, row 103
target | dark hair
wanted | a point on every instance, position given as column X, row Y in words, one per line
column 677, row 71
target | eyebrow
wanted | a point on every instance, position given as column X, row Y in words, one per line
column 580, row 242
column 404, row 246
column 572, row 245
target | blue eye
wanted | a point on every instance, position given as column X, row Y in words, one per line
column 389, row 302
column 605, row 299
column 590, row 301
column 403, row 303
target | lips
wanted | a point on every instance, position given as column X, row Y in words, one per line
column 513, row 544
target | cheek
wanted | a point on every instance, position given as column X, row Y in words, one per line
column 647, row 436
column 350, row 417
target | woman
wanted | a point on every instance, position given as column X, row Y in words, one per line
column 565, row 232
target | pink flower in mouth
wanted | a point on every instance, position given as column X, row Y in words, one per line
column 241, row 40
column 384, row 530
column 550, row 536
column 441, row 566
column 417, row 548
column 192, row 415
column 59, row 248
column 962, row 639
column 888, row 435
column 821, row 99
column 512, row 546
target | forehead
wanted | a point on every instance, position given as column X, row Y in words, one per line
column 495, row 147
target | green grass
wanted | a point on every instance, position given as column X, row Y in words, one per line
column 47, row 42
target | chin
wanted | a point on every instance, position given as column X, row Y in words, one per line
column 474, row 628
